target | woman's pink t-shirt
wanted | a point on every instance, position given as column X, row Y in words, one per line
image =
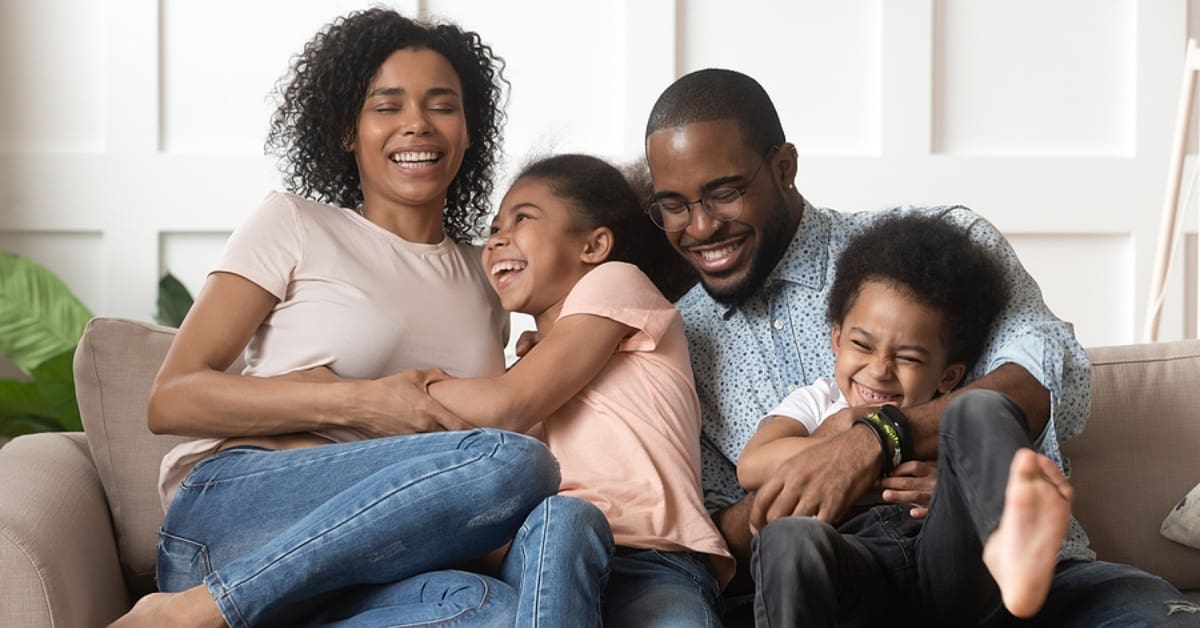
column 356, row 298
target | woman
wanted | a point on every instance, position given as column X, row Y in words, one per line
column 308, row 497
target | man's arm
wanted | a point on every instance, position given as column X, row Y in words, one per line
column 833, row 473
column 733, row 522
column 1010, row 379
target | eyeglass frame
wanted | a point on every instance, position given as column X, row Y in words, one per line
column 708, row 195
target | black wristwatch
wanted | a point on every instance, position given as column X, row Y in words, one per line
column 894, row 416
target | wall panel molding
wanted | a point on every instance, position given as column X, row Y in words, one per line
column 160, row 153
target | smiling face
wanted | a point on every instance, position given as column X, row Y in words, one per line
column 690, row 161
column 536, row 253
column 889, row 350
column 411, row 133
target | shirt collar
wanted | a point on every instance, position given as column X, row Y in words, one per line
column 807, row 255
column 805, row 259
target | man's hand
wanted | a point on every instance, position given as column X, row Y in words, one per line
column 842, row 420
column 733, row 523
column 526, row 341
column 911, row 482
column 822, row 482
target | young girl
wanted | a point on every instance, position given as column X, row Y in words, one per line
column 610, row 386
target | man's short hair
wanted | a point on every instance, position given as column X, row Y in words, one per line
column 934, row 262
column 716, row 94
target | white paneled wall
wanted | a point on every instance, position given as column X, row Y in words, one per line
column 131, row 131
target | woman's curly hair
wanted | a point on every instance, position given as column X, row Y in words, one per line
column 323, row 92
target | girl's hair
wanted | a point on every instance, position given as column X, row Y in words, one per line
column 601, row 196
column 321, row 96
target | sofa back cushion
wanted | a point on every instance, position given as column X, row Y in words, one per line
column 1139, row 455
column 115, row 365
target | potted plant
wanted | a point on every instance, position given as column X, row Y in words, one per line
column 41, row 321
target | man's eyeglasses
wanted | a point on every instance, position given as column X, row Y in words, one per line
column 724, row 203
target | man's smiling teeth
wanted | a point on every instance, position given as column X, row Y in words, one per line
column 413, row 159
column 507, row 265
column 712, row 254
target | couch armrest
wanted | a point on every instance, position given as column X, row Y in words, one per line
column 57, row 552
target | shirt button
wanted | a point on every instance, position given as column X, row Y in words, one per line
column 792, row 387
column 778, row 324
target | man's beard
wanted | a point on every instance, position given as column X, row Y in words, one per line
column 776, row 236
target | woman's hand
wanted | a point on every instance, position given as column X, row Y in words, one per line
column 911, row 482
column 397, row 404
column 400, row 404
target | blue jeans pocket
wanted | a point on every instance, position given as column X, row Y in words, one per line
column 182, row 563
column 694, row 566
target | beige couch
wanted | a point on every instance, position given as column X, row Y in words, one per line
column 79, row 513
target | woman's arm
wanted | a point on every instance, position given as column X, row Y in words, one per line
column 571, row 355
column 193, row 396
column 776, row 440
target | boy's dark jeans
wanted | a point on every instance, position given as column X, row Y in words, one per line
column 885, row 568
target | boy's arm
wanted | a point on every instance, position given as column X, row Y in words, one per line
column 777, row 439
column 570, row 356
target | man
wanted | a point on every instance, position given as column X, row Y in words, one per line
column 723, row 191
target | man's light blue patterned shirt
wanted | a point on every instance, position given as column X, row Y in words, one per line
column 747, row 358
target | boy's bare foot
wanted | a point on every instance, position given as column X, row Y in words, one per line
column 1023, row 551
column 194, row 607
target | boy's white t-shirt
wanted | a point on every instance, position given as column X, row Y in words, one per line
column 811, row 404
column 356, row 298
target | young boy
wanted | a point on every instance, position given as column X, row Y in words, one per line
column 910, row 308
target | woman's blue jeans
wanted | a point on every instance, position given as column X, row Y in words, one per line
column 356, row 533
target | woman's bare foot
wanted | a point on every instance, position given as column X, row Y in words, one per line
column 194, row 607
column 1023, row 551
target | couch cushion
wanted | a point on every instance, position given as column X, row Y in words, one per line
column 115, row 364
column 1138, row 454
column 1182, row 524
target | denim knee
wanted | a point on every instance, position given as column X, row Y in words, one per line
column 526, row 460
column 581, row 515
column 572, row 522
column 978, row 409
column 797, row 540
column 455, row 596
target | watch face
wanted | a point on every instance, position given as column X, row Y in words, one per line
column 897, row 418
column 893, row 413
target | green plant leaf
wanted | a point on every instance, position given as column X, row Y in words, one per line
column 59, row 368
column 174, row 301
column 55, row 379
column 20, row 398
column 18, row 425
column 39, row 316
column 59, row 404
column 50, row 401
